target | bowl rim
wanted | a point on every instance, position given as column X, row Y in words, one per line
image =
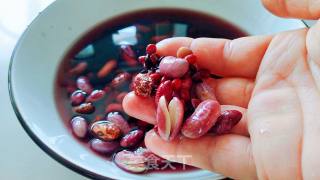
column 53, row 154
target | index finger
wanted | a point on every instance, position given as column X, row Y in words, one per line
column 240, row 57
column 304, row 9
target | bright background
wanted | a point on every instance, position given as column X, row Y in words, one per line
column 20, row 157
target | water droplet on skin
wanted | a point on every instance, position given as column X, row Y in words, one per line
column 263, row 131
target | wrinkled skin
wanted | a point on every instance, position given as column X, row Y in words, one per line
column 275, row 81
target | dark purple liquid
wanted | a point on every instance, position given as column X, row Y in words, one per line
column 136, row 29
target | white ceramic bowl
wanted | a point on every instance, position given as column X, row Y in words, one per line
column 51, row 35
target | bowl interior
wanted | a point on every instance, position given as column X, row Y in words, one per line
column 59, row 33
column 131, row 32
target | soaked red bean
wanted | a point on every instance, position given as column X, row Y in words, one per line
column 119, row 120
column 132, row 138
column 104, row 147
column 105, row 130
column 96, row 95
column 77, row 97
column 151, row 48
column 120, row 80
column 226, row 121
column 203, row 118
column 79, row 126
column 84, row 84
column 79, row 68
column 85, row 108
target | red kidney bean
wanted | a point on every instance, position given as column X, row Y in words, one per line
column 79, row 126
column 83, row 83
column 185, row 89
column 104, row 147
column 85, row 108
column 163, row 79
column 186, row 83
column 191, row 58
column 151, row 48
column 132, row 138
column 114, row 107
column 173, row 67
column 96, row 95
column 164, row 89
column 226, row 121
column 128, row 55
column 107, row 68
column 176, row 84
column 201, row 121
column 118, row 120
column 105, row 130
column 77, row 97
column 120, row 80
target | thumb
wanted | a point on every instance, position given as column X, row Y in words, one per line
column 304, row 9
column 229, row 155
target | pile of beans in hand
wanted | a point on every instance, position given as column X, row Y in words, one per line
column 185, row 101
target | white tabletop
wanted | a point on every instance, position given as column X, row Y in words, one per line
column 20, row 157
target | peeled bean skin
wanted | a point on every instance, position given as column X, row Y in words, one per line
column 173, row 67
